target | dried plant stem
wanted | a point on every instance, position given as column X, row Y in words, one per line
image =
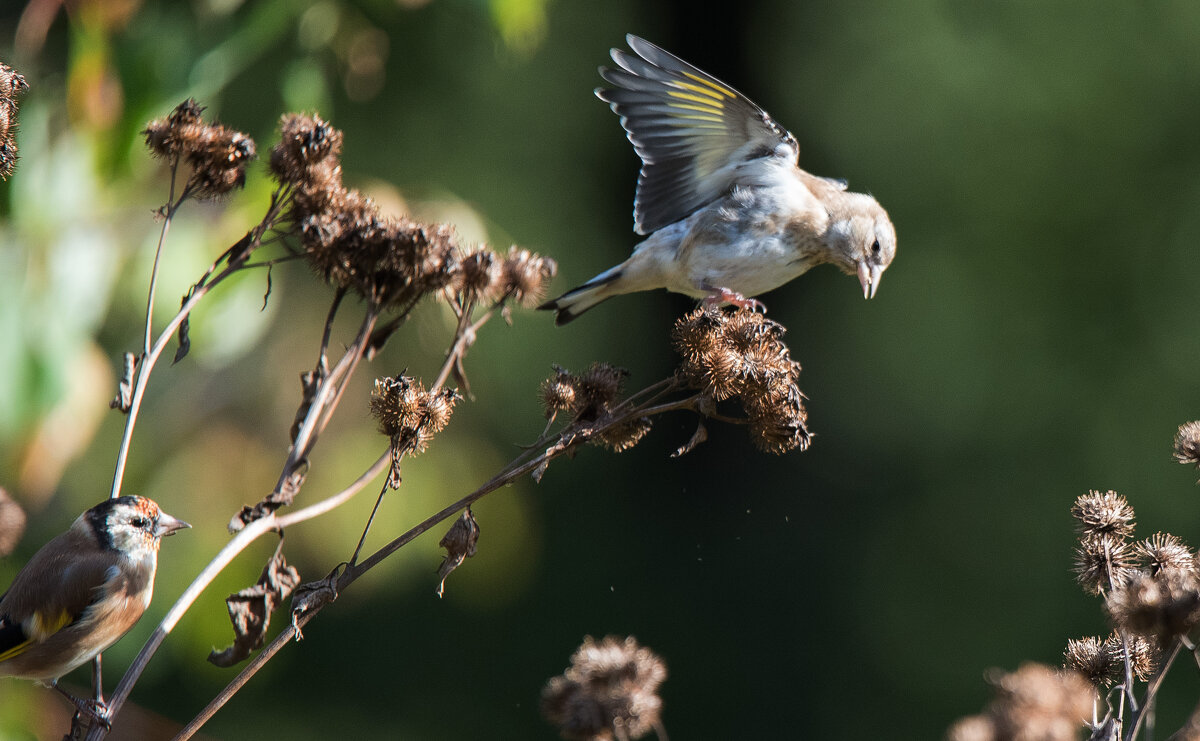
column 145, row 366
column 1139, row 715
column 326, row 399
column 550, row 447
column 239, row 542
column 151, row 353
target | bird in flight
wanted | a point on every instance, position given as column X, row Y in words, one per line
column 729, row 213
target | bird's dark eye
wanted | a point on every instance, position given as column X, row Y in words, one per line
column 138, row 522
column 875, row 247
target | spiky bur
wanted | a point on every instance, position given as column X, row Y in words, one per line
column 1187, row 444
column 1104, row 557
column 393, row 261
column 741, row 355
column 217, row 155
column 1034, row 702
column 409, row 414
column 591, row 399
column 1101, row 661
column 11, row 85
column 610, row 691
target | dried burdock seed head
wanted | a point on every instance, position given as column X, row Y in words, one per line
column 479, row 275
column 398, row 403
column 1143, row 655
column 780, row 429
column 165, row 137
column 1187, row 443
column 1103, row 563
column 217, row 155
column 219, row 159
column 559, row 392
column 305, row 143
column 1038, row 702
column 1092, row 658
column 1162, row 606
column 1106, row 513
column 409, row 414
column 599, row 385
column 697, row 332
column 1163, row 552
column 12, row 83
column 624, row 436
column 525, row 275
column 609, row 691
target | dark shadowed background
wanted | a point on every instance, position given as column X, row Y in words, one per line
column 1031, row 341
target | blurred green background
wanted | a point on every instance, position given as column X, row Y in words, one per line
column 1041, row 163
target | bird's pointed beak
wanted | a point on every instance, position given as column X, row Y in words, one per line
column 168, row 525
column 869, row 276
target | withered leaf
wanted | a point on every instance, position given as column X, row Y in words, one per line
column 459, row 543
column 250, row 609
column 124, row 397
column 699, row 436
column 185, row 342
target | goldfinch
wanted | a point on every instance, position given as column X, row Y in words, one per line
column 83, row 590
column 728, row 211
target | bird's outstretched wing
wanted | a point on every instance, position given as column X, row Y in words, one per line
column 691, row 130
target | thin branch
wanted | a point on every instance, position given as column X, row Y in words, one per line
column 1139, row 715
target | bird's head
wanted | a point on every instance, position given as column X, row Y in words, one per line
column 863, row 240
column 134, row 526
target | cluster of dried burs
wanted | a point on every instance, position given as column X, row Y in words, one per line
column 729, row 358
column 1151, row 592
column 11, row 84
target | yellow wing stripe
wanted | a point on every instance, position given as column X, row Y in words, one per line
column 705, row 100
column 713, row 119
column 43, row 626
column 710, row 84
column 15, row 650
column 706, row 92
column 40, row 628
column 701, row 108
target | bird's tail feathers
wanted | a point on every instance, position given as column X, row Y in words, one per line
column 581, row 298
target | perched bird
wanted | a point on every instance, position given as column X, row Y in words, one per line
column 82, row 591
column 729, row 212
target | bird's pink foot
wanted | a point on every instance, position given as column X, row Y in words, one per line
column 719, row 296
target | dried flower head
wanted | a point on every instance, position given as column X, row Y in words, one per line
column 12, row 83
column 409, row 414
column 1103, row 563
column 596, row 389
column 559, row 392
column 1143, row 655
column 217, row 155
column 525, row 275
column 1187, row 443
column 609, row 691
column 480, row 275
column 1100, row 514
column 1034, row 702
column 624, row 436
column 741, row 355
column 1163, row 551
column 1093, row 658
column 1164, row 606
